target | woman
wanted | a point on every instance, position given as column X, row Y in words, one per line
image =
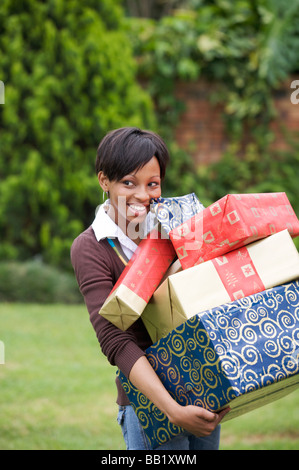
column 130, row 166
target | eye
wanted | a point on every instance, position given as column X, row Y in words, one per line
column 127, row 183
column 154, row 184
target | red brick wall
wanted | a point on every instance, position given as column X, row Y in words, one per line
column 201, row 130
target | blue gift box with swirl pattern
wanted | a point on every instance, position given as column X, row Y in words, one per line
column 174, row 211
column 244, row 354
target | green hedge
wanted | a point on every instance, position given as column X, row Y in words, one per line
column 34, row 282
column 70, row 77
column 70, row 73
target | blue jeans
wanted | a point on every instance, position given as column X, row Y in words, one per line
column 136, row 439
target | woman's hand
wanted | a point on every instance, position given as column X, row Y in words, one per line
column 196, row 420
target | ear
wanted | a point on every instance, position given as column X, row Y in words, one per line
column 104, row 181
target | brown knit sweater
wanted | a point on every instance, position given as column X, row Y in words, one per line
column 97, row 268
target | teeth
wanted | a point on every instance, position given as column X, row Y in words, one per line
column 138, row 208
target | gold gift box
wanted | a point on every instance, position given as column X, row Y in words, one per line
column 189, row 292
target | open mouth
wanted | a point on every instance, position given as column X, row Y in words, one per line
column 137, row 209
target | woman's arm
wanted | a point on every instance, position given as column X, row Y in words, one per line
column 194, row 419
column 95, row 282
column 97, row 268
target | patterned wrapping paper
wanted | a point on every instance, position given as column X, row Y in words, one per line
column 173, row 211
column 233, row 221
column 139, row 280
column 244, row 354
column 242, row 272
column 149, row 264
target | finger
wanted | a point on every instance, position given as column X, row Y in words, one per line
column 208, row 416
column 222, row 413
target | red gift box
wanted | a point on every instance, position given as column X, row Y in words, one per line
column 139, row 280
column 233, row 221
column 148, row 265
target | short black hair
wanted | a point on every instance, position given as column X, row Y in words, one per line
column 127, row 149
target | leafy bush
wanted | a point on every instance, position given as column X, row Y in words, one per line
column 247, row 48
column 69, row 77
column 35, row 282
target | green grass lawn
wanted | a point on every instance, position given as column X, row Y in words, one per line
column 58, row 392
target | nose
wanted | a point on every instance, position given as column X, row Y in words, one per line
column 142, row 194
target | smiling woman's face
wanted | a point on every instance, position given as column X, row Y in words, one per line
column 130, row 197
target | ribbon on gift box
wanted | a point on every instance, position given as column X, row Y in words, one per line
column 234, row 221
column 174, row 211
column 235, row 267
column 242, row 272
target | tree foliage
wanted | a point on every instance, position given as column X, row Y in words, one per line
column 154, row 8
column 247, row 48
column 69, row 77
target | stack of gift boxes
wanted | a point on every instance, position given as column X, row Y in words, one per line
column 217, row 289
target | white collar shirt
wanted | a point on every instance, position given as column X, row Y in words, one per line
column 104, row 227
